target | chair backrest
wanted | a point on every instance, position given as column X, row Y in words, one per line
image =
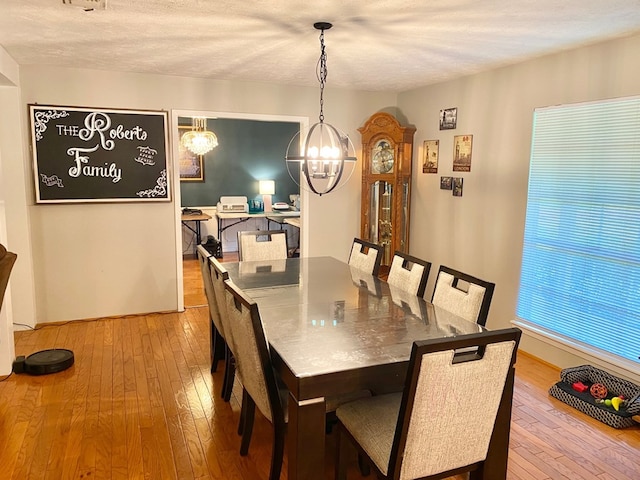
column 450, row 404
column 409, row 273
column 219, row 275
column 365, row 256
column 471, row 303
column 7, row 259
column 214, row 311
column 253, row 360
column 262, row 245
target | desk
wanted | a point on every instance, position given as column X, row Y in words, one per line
column 197, row 219
column 334, row 330
column 278, row 216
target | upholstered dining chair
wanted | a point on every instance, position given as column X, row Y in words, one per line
column 443, row 421
column 365, row 256
column 465, row 295
column 218, row 345
column 262, row 389
column 409, row 273
column 7, row 260
column 219, row 275
column 253, row 362
column 262, row 245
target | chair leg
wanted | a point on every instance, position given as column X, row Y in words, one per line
column 243, row 411
column 247, row 428
column 278, row 450
column 212, row 341
column 218, row 348
column 229, row 376
column 341, row 454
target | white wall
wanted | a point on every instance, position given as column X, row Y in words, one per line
column 112, row 259
column 14, row 225
column 482, row 232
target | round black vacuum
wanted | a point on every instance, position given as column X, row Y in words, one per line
column 48, row 361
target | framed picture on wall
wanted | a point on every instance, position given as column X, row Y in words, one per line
column 448, row 118
column 191, row 165
column 445, row 183
column 430, row 156
column 462, row 145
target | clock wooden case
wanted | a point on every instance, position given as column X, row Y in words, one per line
column 387, row 151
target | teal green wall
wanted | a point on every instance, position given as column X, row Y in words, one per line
column 247, row 151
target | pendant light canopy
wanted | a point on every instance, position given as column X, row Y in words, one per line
column 325, row 158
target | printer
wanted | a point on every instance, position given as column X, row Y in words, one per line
column 233, row 205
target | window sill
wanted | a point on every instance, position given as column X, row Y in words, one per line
column 597, row 357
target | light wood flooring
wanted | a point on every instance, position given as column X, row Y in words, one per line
column 141, row 403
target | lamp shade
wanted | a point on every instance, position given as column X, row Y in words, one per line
column 267, row 187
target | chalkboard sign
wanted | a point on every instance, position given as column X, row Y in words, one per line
column 99, row 155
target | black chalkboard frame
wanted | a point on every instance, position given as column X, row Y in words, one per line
column 100, row 155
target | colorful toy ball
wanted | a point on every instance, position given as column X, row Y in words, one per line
column 598, row 390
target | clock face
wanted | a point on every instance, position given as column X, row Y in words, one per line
column 382, row 157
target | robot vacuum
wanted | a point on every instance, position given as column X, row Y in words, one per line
column 44, row 362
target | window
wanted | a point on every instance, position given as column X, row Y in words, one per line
column 580, row 277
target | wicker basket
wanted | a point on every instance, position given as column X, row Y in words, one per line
column 584, row 402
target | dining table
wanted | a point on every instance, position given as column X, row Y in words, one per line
column 334, row 330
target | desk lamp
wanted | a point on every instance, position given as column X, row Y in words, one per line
column 267, row 188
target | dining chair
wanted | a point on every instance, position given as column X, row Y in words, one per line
column 262, row 389
column 465, row 295
column 365, row 256
column 7, row 260
column 409, row 273
column 443, row 421
column 253, row 362
column 215, row 331
column 219, row 275
column 262, row 245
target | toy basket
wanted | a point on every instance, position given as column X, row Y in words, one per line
column 584, row 401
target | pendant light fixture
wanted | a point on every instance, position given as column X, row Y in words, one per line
column 326, row 158
column 199, row 140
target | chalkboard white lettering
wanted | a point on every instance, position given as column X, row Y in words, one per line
column 145, row 155
column 51, row 181
column 76, row 170
column 97, row 122
column 135, row 133
column 68, row 130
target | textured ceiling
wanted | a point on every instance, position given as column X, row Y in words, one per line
column 374, row 44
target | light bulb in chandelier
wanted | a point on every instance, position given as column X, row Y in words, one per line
column 325, row 158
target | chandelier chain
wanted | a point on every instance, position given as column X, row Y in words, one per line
column 322, row 74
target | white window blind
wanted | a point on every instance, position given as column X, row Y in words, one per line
column 580, row 276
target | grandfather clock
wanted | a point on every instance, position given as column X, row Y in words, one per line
column 387, row 150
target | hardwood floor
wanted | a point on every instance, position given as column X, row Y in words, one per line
column 140, row 402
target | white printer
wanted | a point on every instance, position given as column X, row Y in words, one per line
column 233, row 205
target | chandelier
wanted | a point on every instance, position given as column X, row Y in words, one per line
column 199, row 140
column 326, row 158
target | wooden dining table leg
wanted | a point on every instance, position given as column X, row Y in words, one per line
column 305, row 437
